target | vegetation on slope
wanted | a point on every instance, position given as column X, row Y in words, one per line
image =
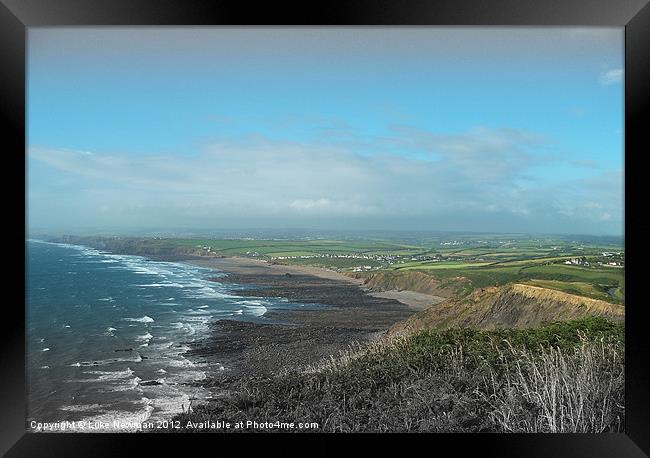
column 436, row 267
column 514, row 305
column 563, row 277
column 419, row 282
column 562, row 377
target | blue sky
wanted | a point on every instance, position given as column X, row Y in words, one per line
column 469, row 129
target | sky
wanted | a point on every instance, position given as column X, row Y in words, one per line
column 392, row 128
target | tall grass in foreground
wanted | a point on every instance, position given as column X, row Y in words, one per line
column 578, row 391
column 564, row 377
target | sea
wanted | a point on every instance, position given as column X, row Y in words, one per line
column 106, row 335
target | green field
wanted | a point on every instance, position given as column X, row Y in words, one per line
column 274, row 248
column 539, row 262
column 462, row 262
column 430, row 265
column 332, row 263
column 574, row 287
column 591, row 282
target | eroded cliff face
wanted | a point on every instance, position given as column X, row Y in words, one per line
column 411, row 281
column 514, row 305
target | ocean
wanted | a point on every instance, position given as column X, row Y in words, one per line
column 106, row 333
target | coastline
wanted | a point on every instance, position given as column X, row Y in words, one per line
column 328, row 313
column 241, row 265
column 344, row 314
column 247, row 266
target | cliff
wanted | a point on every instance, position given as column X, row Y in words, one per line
column 412, row 281
column 513, row 305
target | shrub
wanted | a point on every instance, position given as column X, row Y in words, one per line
column 562, row 377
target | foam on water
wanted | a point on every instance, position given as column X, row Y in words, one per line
column 114, row 375
column 146, row 337
column 81, row 408
column 104, row 362
column 174, row 301
column 144, row 319
column 250, row 302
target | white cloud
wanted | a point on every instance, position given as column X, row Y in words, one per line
column 415, row 178
column 612, row 76
column 307, row 204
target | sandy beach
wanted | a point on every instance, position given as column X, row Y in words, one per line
column 249, row 266
column 296, row 338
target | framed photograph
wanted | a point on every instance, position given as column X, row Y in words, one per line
column 370, row 217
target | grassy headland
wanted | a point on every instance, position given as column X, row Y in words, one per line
column 485, row 359
column 459, row 263
column 562, row 377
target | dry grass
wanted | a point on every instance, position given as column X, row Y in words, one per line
column 559, row 391
column 566, row 377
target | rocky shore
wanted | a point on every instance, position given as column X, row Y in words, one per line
column 294, row 338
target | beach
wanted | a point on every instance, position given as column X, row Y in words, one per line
column 238, row 266
column 144, row 336
column 296, row 338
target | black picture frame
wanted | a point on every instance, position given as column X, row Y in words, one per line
column 17, row 15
